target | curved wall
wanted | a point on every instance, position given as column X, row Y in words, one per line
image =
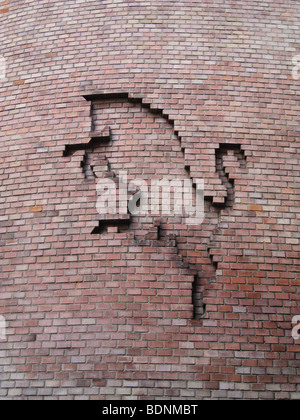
column 149, row 307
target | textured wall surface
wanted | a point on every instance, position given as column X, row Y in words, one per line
column 153, row 308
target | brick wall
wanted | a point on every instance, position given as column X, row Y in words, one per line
column 149, row 307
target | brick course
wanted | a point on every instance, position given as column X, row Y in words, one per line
column 152, row 308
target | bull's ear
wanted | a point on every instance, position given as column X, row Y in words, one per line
column 96, row 140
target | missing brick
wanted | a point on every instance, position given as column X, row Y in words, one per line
column 122, row 223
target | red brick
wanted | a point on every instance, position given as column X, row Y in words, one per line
column 154, row 308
